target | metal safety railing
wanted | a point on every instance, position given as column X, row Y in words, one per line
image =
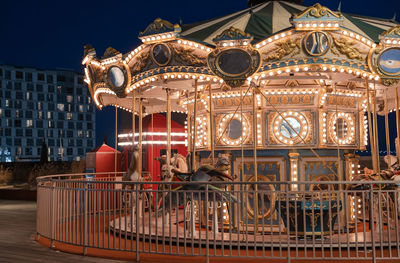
column 281, row 220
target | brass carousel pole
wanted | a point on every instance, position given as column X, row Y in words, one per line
column 376, row 132
column 371, row 133
column 211, row 124
column 116, row 139
column 189, row 130
column 133, row 119
column 168, row 130
column 387, row 127
column 194, row 127
column 140, row 137
column 397, row 116
column 255, row 160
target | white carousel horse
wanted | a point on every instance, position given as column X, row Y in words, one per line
column 132, row 175
column 393, row 173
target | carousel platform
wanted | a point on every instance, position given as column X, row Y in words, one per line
column 157, row 230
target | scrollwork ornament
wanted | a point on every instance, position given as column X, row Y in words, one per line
column 283, row 48
column 390, row 82
column 187, row 55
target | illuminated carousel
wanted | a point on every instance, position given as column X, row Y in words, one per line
column 278, row 86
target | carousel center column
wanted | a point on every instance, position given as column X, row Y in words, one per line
column 294, row 169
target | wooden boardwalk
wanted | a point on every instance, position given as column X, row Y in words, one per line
column 17, row 233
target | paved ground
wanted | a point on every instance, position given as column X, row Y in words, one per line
column 17, row 230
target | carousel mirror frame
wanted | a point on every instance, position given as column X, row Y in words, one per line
column 234, row 80
column 378, row 62
column 120, row 91
column 305, row 38
column 347, row 117
column 223, row 120
column 304, row 127
column 169, row 54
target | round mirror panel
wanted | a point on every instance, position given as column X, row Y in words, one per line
column 234, row 62
column 316, row 43
column 234, row 129
column 116, row 76
column 161, row 54
column 389, row 61
column 290, row 127
column 341, row 126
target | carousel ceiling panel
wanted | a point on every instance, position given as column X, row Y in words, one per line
column 266, row 19
column 152, row 105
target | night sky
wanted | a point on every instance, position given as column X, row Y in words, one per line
column 51, row 34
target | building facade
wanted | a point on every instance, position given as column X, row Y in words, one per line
column 50, row 105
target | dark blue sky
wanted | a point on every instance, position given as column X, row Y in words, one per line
column 51, row 34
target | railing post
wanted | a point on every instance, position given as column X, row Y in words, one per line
column 52, row 216
column 84, row 217
column 372, row 223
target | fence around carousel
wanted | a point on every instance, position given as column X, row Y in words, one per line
column 293, row 222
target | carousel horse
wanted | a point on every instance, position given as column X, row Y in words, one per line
column 204, row 174
column 393, row 173
column 132, row 175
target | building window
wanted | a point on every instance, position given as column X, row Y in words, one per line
column 60, row 107
column 1, row 113
column 18, row 95
column 7, row 74
column 28, row 151
column 61, row 78
column 69, row 116
column 17, row 85
column 70, row 134
column 28, row 114
column 79, row 125
column 90, row 143
column 60, row 124
column 50, row 106
column 29, row 87
column 19, row 114
column 50, row 142
column 40, row 76
column 28, row 132
column 39, row 88
column 80, row 151
column 19, row 75
column 80, row 117
column 39, row 124
column 51, row 124
column 49, row 115
column 60, row 116
column 19, row 133
column 31, row 105
column 29, row 96
column 49, row 133
column 29, row 123
column 80, row 108
column 70, row 142
column 70, row 99
column 50, row 78
column 18, row 104
column 8, row 123
column 7, row 132
column 89, row 125
column 17, row 123
column 28, row 76
column 7, row 113
column 40, row 115
column 69, row 151
column 29, row 142
column 39, row 106
column 88, row 117
column 9, row 141
column 17, row 141
column 88, row 134
column 71, row 125
column 40, row 133
column 80, row 134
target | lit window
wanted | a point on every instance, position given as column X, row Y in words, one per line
column 69, row 116
column 80, row 108
column 29, row 123
column 80, row 134
column 49, row 115
column 60, row 107
column 70, row 99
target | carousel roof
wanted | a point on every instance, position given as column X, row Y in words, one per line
column 266, row 19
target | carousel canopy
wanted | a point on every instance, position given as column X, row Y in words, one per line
column 266, row 19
